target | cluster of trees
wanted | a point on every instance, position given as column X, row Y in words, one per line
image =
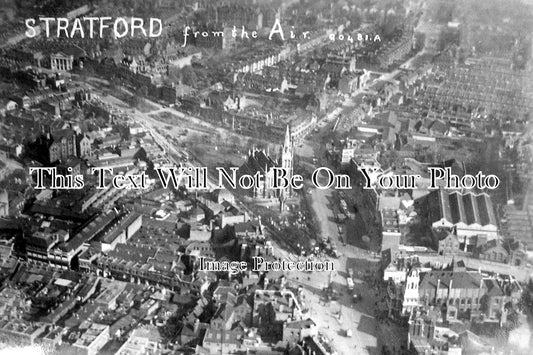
column 526, row 304
column 187, row 76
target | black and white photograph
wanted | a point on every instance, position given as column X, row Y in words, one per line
column 257, row 177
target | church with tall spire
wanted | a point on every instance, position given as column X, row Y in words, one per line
column 286, row 157
column 259, row 161
column 286, row 162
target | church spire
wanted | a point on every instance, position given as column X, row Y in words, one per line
column 287, row 142
column 285, row 162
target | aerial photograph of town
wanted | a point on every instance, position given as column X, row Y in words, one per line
column 291, row 177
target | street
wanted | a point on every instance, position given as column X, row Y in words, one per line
column 333, row 318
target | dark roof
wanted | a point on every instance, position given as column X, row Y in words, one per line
column 456, row 207
column 258, row 161
column 458, row 280
column 493, row 288
column 89, row 231
column 43, row 241
column 67, row 133
column 491, row 244
column 301, row 324
column 224, row 312
column 183, row 299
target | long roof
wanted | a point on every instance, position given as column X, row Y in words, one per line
column 467, row 208
column 258, row 161
column 458, row 280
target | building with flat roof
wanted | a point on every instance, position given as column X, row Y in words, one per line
column 111, row 290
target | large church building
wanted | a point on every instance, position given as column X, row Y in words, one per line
column 260, row 162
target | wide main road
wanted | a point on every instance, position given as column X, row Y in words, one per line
column 323, row 200
column 368, row 334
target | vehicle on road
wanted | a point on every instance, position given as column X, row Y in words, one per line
column 350, row 283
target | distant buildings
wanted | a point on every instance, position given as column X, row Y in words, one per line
column 247, row 15
column 395, row 51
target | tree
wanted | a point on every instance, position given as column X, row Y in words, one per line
column 171, row 329
column 135, row 100
column 526, row 302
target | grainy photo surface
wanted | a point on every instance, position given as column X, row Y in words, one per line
column 291, row 177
